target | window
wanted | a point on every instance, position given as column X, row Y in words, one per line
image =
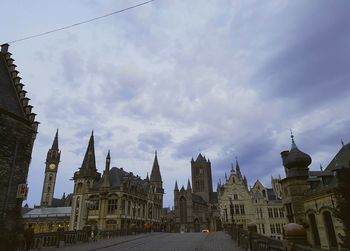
column 270, row 212
column 259, row 213
column 123, row 207
column 235, row 196
column 237, row 209
column 278, row 228
column 242, row 209
column 263, row 228
column 272, row 228
column 281, row 212
column 315, row 235
column 129, row 207
column 275, row 212
column 112, row 206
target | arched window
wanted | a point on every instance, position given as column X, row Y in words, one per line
column 328, row 222
column 314, row 230
column 183, row 210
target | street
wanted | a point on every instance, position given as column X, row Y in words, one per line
column 216, row 241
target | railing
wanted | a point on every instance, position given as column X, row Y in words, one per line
column 53, row 239
column 251, row 241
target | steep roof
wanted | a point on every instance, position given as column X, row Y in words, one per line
column 341, row 158
column 118, row 175
column 200, row 158
column 13, row 98
column 155, row 174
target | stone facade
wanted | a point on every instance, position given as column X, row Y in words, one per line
column 196, row 209
column 258, row 206
column 309, row 196
column 117, row 199
column 18, row 130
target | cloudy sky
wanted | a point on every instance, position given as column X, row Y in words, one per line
column 225, row 78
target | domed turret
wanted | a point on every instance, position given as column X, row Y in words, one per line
column 295, row 160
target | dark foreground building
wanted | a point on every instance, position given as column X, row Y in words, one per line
column 18, row 130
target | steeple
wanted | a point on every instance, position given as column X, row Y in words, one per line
column 105, row 177
column 88, row 167
column 147, row 178
column 108, row 161
column 294, row 146
column 155, row 174
column 55, row 142
column 188, row 185
column 176, row 187
column 238, row 169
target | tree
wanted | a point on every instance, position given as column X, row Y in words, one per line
column 343, row 203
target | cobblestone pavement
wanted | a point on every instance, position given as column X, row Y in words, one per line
column 217, row 241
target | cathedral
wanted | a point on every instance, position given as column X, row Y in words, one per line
column 117, row 199
column 196, row 207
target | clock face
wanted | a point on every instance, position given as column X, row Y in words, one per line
column 52, row 166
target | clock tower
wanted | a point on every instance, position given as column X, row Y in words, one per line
column 52, row 160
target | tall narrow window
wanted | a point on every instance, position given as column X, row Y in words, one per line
column 314, row 230
column 328, row 222
column 183, row 210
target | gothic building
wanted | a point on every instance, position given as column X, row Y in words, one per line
column 196, row 208
column 259, row 205
column 18, row 130
column 116, row 200
column 309, row 196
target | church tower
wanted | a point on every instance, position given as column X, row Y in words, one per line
column 156, row 180
column 52, row 161
column 201, row 177
column 84, row 180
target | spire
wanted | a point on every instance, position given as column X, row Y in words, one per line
column 176, row 187
column 182, row 188
column 147, row 178
column 294, row 146
column 238, row 169
column 108, row 161
column 232, row 168
column 89, row 162
column 342, row 142
column 55, row 142
column 321, row 167
column 188, row 185
column 225, row 176
column 155, row 174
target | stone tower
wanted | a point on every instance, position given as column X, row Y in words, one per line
column 156, row 180
column 295, row 184
column 52, row 161
column 83, row 180
column 18, row 130
column 201, row 177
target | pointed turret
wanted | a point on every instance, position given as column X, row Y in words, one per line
column 108, row 161
column 182, row 188
column 238, row 169
column 147, row 178
column 188, row 185
column 176, row 187
column 105, row 177
column 155, row 174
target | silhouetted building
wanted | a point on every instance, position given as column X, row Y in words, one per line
column 18, row 130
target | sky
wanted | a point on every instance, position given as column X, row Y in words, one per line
column 224, row 78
